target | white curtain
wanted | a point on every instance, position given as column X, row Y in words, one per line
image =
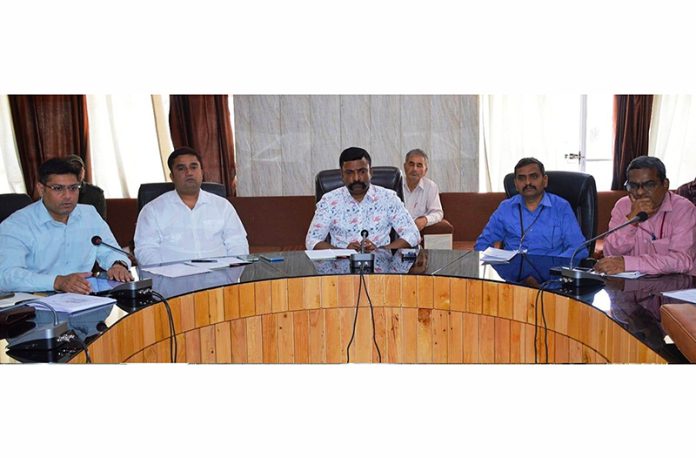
column 517, row 126
column 673, row 136
column 11, row 180
column 124, row 143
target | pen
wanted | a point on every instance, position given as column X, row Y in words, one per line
column 202, row 260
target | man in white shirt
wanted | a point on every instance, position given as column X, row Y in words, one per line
column 188, row 223
column 421, row 194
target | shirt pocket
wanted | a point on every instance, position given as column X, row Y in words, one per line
column 661, row 246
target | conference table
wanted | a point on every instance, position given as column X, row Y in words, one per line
column 446, row 306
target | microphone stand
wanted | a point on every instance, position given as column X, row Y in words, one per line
column 137, row 292
column 578, row 277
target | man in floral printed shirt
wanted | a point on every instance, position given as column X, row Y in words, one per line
column 345, row 212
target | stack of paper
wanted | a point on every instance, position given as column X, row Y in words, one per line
column 318, row 255
column 497, row 255
column 685, row 295
column 72, row 303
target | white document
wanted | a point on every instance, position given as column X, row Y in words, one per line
column 18, row 297
column 176, row 270
column 685, row 295
column 318, row 255
column 217, row 263
column 71, row 302
column 634, row 274
column 491, row 254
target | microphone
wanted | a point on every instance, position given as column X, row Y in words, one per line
column 96, row 241
column 362, row 262
column 576, row 275
column 364, row 235
column 137, row 291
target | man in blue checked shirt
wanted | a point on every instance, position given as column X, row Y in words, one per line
column 47, row 245
column 533, row 221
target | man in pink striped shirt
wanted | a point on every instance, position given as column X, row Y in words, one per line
column 666, row 241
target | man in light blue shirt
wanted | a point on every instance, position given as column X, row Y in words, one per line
column 47, row 245
column 533, row 220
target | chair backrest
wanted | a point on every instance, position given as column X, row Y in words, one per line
column 150, row 191
column 385, row 176
column 579, row 189
column 10, row 203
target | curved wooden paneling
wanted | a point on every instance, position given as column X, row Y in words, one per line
column 418, row 319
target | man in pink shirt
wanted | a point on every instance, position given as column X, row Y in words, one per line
column 666, row 241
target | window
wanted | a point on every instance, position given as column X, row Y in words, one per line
column 11, row 179
column 565, row 132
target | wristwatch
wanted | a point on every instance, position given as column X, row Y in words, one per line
column 120, row 262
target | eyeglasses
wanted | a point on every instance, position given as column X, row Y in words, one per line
column 649, row 186
column 60, row 188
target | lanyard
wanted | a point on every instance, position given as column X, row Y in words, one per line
column 523, row 231
column 652, row 234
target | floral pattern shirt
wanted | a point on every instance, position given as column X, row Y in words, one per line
column 339, row 215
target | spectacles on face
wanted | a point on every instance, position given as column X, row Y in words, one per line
column 648, row 186
column 60, row 188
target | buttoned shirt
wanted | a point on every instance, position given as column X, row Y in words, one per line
column 168, row 230
column 664, row 243
column 338, row 214
column 424, row 200
column 551, row 229
column 35, row 248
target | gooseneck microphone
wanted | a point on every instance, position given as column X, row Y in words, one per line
column 577, row 276
column 362, row 262
column 364, row 235
column 96, row 241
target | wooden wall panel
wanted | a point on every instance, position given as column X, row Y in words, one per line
column 286, row 340
column 424, row 336
column 455, row 353
column 470, row 337
column 409, row 335
column 254, row 335
column 441, row 293
column 279, row 296
column 238, row 336
column 201, row 312
column 440, row 341
column 269, row 340
column 231, row 297
column 207, row 335
column 295, row 294
column 223, row 342
column 458, row 295
column 301, row 337
column 262, row 295
column 216, row 305
column 318, row 337
column 394, row 340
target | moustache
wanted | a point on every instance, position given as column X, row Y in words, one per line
column 352, row 186
column 529, row 186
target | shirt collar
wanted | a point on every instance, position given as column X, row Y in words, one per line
column 45, row 217
column 545, row 200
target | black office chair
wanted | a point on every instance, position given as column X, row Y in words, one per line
column 385, row 176
column 10, row 203
column 579, row 189
column 150, row 191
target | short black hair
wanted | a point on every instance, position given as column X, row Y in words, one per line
column 648, row 162
column 354, row 154
column 529, row 161
column 180, row 152
column 58, row 166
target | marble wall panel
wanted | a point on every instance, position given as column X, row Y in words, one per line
column 296, row 144
column 385, row 130
column 355, row 122
column 267, row 166
column 445, row 148
column 242, row 144
column 326, row 133
column 469, row 131
column 283, row 141
column 415, row 122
